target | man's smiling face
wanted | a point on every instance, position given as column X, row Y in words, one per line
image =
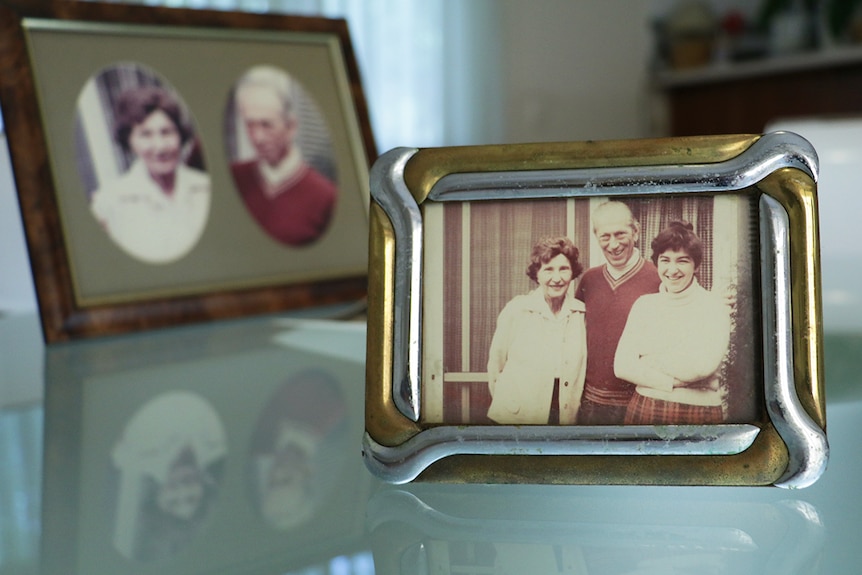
column 617, row 238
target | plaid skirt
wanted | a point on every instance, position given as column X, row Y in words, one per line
column 648, row 411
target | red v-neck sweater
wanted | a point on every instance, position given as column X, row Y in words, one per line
column 299, row 214
column 608, row 303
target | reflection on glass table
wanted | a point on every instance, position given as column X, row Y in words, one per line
column 519, row 529
column 235, row 448
column 204, row 449
column 168, row 466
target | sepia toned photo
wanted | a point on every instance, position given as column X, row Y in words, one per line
column 592, row 311
column 639, row 312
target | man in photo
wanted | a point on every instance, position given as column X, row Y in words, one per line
column 608, row 292
column 290, row 200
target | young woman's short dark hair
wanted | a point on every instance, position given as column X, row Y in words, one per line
column 678, row 236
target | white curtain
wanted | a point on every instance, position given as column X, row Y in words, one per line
column 430, row 68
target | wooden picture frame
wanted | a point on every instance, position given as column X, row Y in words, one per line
column 726, row 391
column 63, row 75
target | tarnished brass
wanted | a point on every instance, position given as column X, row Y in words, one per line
column 685, row 164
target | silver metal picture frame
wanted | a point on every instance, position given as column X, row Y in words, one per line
column 778, row 437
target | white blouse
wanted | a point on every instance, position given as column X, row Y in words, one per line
column 673, row 345
column 148, row 224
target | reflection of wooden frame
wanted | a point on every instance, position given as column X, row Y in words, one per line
column 86, row 285
column 213, row 365
column 777, row 436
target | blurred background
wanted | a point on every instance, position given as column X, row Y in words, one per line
column 451, row 72
column 460, row 72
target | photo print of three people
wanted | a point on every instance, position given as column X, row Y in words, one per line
column 592, row 311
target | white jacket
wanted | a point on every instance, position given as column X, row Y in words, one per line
column 531, row 347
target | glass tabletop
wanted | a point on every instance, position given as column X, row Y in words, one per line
column 235, row 447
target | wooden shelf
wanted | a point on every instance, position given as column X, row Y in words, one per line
column 745, row 97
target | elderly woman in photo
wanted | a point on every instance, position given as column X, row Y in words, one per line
column 537, row 359
column 674, row 341
column 157, row 209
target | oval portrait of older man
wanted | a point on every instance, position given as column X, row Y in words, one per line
column 281, row 157
column 141, row 163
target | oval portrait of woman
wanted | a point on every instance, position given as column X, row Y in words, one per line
column 169, row 463
column 141, row 163
column 281, row 158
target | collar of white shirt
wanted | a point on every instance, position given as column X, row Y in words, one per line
column 618, row 273
column 287, row 169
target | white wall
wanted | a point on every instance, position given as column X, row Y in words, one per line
column 578, row 70
column 575, row 70
column 569, row 70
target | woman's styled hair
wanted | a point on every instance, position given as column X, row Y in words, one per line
column 547, row 249
column 678, row 236
column 135, row 104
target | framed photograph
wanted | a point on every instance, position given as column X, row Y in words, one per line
column 157, row 450
column 157, row 188
column 597, row 312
